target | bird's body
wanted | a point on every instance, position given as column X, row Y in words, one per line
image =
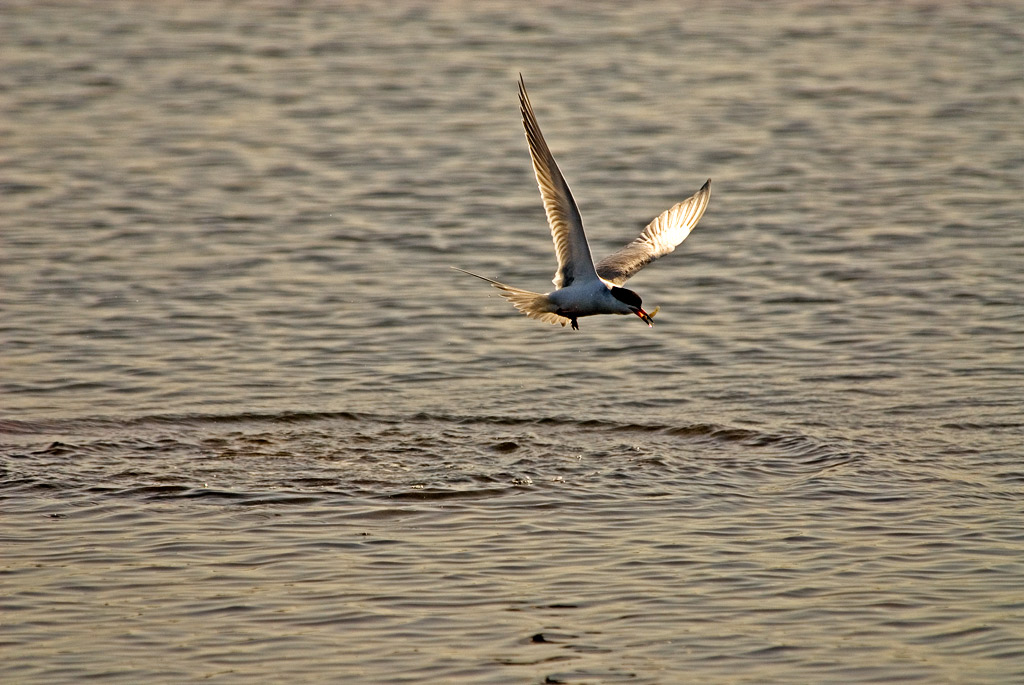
column 584, row 298
column 581, row 287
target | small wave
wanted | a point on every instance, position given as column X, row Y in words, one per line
column 298, row 458
column 446, row 494
column 794, row 443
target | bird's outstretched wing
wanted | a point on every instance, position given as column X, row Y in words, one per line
column 659, row 238
column 571, row 248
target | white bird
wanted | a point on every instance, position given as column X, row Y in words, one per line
column 581, row 287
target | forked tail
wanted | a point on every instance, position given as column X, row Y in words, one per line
column 534, row 305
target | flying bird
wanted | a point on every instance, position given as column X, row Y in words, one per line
column 581, row 287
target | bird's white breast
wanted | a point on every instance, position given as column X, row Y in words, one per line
column 589, row 297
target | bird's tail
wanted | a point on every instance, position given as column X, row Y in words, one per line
column 534, row 305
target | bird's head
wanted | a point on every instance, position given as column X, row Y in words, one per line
column 633, row 301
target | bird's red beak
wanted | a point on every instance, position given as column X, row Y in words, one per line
column 645, row 317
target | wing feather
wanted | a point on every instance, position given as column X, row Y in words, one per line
column 574, row 259
column 660, row 237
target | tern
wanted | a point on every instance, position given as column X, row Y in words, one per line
column 581, row 287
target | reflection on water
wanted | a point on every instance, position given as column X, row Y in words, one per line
column 254, row 428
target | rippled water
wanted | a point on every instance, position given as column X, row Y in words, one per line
column 254, row 429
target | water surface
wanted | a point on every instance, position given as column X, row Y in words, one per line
column 254, row 429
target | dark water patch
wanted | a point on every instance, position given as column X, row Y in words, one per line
column 272, row 419
column 305, row 459
column 436, row 494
